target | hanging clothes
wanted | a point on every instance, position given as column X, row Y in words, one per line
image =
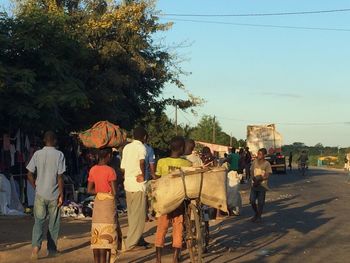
column 18, row 140
column 27, row 143
column 13, row 153
column 6, row 142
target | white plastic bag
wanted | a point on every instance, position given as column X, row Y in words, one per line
column 233, row 196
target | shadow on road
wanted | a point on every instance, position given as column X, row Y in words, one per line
column 278, row 181
column 284, row 216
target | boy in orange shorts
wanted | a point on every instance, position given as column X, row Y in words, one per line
column 164, row 167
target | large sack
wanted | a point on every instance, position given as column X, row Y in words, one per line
column 168, row 192
column 103, row 134
column 233, row 196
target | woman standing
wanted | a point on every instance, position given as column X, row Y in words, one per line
column 102, row 182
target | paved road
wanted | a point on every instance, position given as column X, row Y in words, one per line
column 306, row 220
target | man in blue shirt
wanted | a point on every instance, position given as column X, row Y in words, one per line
column 150, row 169
column 149, row 163
column 49, row 165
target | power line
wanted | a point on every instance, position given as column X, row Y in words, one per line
column 288, row 123
column 259, row 25
column 183, row 115
column 260, row 14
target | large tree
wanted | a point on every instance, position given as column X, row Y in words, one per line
column 205, row 129
column 65, row 64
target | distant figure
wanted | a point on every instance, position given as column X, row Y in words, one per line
column 233, row 160
column 150, row 174
column 241, row 164
column 303, row 159
column 347, row 167
column 115, row 164
column 190, row 155
column 248, row 163
column 347, row 162
column 224, row 163
column 49, row 165
column 208, row 158
column 290, row 160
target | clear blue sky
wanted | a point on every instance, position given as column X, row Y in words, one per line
column 267, row 75
column 253, row 75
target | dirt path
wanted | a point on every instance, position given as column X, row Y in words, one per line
column 306, row 220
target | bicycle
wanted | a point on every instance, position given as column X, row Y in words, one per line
column 195, row 227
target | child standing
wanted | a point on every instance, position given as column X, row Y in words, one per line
column 164, row 167
column 102, row 182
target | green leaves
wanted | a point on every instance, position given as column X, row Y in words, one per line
column 67, row 64
column 204, row 132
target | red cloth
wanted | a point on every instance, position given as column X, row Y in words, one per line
column 102, row 176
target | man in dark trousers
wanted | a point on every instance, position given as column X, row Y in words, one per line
column 260, row 171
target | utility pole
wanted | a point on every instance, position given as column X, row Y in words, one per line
column 176, row 118
column 214, row 130
column 231, row 139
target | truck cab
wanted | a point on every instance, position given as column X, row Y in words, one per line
column 277, row 161
column 266, row 136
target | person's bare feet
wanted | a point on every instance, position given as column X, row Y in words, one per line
column 35, row 253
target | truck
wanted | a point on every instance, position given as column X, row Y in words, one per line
column 266, row 136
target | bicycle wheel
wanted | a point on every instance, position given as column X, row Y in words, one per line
column 194, row 233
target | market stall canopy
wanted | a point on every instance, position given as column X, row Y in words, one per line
column 103, row 134
column 215, row 147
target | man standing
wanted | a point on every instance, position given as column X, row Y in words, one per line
column 150, row 162
column 260, row 171
column 233, row 160
column 248, row 163
column 303, row 159
column 150, row 173
column 290, row 160
column 49, row 165
column 133, row 164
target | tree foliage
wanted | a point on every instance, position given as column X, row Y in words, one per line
column 65, row 64
column 204, row 132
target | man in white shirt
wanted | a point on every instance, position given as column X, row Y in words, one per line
column 133, row 164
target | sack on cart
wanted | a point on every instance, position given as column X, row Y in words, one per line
column 168, row 192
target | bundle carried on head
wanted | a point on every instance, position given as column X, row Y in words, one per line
column 102, row 135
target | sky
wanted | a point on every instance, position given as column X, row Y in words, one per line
column 298, row 79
